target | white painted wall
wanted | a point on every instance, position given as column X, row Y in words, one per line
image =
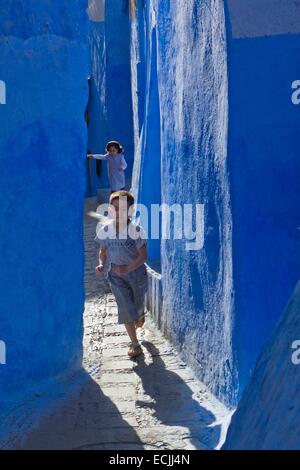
column 251, row 18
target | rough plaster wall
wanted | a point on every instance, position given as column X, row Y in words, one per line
column 192, row 98
column 44, row 63
column 198, row 285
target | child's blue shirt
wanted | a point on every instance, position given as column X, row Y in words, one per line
column 116, row 177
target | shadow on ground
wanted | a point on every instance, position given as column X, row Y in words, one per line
column 87, row 420
column 172, row 400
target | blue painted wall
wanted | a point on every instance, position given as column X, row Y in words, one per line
column 267, row 417
column 195, row 73
column 44, row 63
column 110, row 105
column 147, row 120
column 183, row 134
column 97, row 111
column 264, row 173
column 213, row 110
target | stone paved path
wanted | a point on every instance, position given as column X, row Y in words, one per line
column 153, row 402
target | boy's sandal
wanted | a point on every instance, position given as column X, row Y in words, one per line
column 140, row 322
column 135, row 351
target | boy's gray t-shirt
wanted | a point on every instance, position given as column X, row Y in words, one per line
column 122, row 249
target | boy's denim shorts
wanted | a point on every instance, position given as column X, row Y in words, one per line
column 129, row 291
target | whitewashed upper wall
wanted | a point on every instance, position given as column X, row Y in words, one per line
column 252, row 18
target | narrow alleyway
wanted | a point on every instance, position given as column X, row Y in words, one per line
column 154, row 402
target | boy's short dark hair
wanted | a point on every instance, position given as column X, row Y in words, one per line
column 117, row 145
column 122, row 193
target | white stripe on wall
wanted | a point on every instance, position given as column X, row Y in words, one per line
column 2, row 92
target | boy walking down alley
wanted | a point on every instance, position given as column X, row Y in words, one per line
column 123, row 246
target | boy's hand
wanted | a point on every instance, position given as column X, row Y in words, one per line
column 120, row 168
column 120, row 270
column 99, row 269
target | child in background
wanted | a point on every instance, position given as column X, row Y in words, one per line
column 123, row 245
column 116, row 165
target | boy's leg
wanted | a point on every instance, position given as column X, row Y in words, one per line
column 139, row 286
column 135, row 348
column 127, row 313
column 141, row 321
column 130, row 328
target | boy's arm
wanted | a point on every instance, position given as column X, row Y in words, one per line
column 139, row 260
column 103, row 256
column 120, row 270
column 102, row 260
